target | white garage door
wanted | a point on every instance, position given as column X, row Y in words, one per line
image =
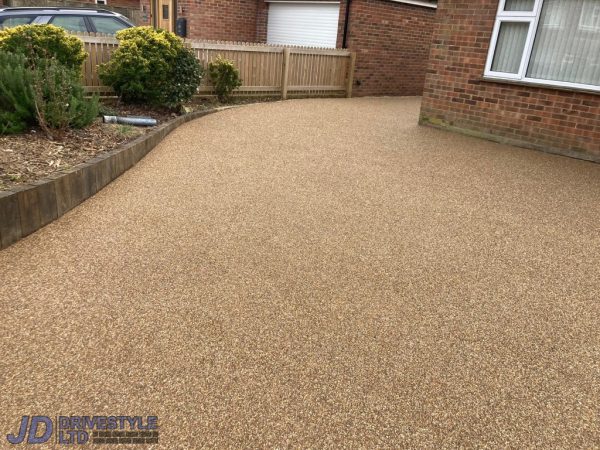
column 311, row 24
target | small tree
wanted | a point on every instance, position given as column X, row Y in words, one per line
column 224, row 76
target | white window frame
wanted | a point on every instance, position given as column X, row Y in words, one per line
column 533, row 18
column 582, row 22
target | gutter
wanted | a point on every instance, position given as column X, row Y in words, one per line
column 346, row 22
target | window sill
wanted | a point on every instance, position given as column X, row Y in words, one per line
column 539, row 85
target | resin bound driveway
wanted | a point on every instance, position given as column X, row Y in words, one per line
column 318, row 273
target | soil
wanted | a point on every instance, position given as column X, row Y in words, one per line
column 30, row 156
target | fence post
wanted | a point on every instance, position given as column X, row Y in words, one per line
column 284, row 73
column 350, row 80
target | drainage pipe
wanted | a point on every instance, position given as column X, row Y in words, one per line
column 139, row 121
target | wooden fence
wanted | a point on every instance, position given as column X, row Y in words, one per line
column 265, row 70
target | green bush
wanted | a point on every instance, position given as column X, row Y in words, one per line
column 152, row 66
column 17, row 103
column 47, row 94
column 224, row 76
column 40, row 42
column 59, row 99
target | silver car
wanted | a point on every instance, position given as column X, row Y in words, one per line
column 71, row 19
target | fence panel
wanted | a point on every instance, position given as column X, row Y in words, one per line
column 264, row 69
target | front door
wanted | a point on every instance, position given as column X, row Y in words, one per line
column 164, row 12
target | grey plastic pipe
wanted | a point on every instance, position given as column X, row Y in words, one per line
column 139, row 121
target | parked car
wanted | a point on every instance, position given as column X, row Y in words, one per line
column 71, row 19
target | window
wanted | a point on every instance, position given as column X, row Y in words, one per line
column 552, row 42
column 70, row 23
column 590, row 16
column 101, row 2
column 107, row 25
column 14, row 21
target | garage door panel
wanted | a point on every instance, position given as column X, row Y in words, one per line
column 305, row 24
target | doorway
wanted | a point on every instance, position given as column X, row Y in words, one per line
column 163, row 14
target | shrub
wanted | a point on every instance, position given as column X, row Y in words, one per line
column 17, row 104
column 59, row 98
column 224, row 76
column 39, row 42
column 152, row 66
column 48, row 94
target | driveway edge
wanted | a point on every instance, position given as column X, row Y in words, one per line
column 27, row 208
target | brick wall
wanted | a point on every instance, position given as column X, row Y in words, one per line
column 456, row 96
column 121, row 3
column 223, row 20
column 232, row 20
column 262, row 16
column 391, row 41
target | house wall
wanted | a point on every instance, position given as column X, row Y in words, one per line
column 391, row 41
column 457, row 97
column 224, row 20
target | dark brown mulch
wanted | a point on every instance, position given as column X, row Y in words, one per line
column 30, row 156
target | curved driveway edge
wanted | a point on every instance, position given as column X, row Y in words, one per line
column 319, row 273
column 27, row 208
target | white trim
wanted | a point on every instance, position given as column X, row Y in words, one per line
column 533, row 17
column 546, row 83
column 417, row 3
column 409, row 2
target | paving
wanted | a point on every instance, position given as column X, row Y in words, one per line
column 313, row 274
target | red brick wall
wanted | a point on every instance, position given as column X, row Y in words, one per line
column 456, row 96
column 223, row 20
column 391, row 41
column 262, row 16
column 122, row 3
column 231, row 20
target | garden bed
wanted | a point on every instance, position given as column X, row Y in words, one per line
column 30, row 156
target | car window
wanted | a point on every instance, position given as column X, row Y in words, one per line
column 107, row 25
column 8, row 22
column 70, row 23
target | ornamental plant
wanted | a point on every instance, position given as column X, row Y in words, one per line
column 152, row 66
column 17, row 103
column 224, row 76
column 41, row 92
column 44, row 42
